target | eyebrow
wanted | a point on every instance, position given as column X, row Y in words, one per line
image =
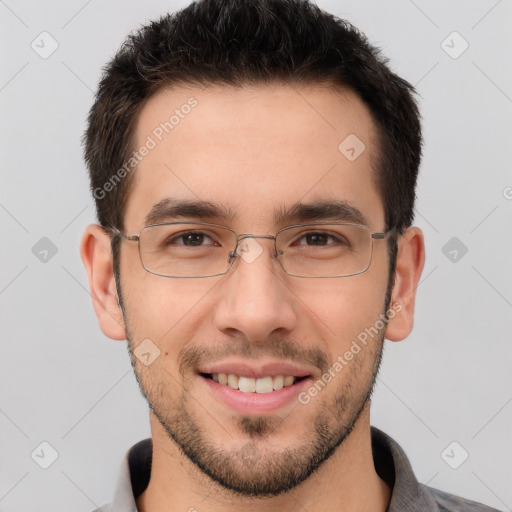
column 170, row 209
column 336, row 211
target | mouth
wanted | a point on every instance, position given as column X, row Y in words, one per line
column 254, row 395
column 260, row 385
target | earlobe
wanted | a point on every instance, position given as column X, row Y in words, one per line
column 96, row 255
column 409, row 265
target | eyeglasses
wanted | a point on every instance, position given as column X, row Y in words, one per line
column 197, row 249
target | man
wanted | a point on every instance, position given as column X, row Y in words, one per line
column 254, row 166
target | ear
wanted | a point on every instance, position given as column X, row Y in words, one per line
column 96, row 254
column 409, row 265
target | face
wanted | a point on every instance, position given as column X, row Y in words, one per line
column 253, row 153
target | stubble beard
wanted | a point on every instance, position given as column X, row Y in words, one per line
column 251, row 469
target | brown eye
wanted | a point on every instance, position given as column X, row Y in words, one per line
column 320, row 239
column 317, row 239
column 190, row 239
column 193, row 239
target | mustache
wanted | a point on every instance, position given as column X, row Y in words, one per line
column 278, row 348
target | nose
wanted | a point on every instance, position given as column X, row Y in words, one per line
column 256, row 301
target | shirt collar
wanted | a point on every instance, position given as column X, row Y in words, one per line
column 391, row 464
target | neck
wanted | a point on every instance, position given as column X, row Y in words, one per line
column 346, row 482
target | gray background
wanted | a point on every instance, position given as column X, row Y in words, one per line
column 63, row 382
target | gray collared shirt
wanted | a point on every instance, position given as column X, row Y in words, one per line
column 390, row 461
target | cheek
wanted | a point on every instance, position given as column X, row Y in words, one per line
column 342, row 309
column 167, row 311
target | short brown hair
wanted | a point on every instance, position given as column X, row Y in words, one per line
column 241, row 42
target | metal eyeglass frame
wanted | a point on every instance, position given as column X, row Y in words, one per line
column 233, row 254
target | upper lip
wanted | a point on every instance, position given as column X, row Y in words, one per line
column 255, row 369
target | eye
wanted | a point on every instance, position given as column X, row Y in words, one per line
column 319, row 239
column 191, row 239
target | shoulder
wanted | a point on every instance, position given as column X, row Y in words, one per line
column 451, row 503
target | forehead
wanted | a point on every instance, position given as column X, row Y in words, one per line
column 254, row 151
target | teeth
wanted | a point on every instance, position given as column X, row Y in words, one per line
column 252, row 385
column 288, row 381
column 265, row 385
column 278, row 382
column 233, row 381
column 247, row 384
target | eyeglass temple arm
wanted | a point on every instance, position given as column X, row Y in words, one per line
column 129, row 238
column 381, row 236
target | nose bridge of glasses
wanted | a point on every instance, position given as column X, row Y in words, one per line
column 241, row 249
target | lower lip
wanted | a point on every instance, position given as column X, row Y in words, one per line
column 255, row 403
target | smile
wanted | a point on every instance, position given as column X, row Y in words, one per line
column 251, row 384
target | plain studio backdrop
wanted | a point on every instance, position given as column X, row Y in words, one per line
column 445, row 394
